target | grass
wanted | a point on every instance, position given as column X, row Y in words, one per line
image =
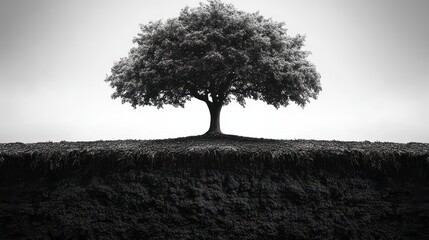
column 226, row 152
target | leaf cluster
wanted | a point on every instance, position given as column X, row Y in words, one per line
column 215, row 53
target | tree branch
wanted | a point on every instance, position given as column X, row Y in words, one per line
column 198, row 96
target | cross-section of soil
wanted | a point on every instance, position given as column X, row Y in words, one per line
column 223, row 187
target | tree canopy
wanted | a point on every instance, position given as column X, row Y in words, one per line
column 215, row 53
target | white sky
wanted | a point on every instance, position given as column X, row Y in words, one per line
column 373, row 57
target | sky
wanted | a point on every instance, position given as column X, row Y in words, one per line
column 373, row 57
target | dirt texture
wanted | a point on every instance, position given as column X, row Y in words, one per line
column 214, row 188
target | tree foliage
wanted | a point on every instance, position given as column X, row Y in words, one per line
column 215, row 53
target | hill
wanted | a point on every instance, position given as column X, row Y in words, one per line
column 219, row 187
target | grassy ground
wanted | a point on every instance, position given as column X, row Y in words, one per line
column 226, row 151
column 222, row 142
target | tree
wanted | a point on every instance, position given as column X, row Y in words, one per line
column 215, row 53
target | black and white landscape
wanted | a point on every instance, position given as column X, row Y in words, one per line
column 214, row 120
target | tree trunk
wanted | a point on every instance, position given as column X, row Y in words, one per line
column 214, row 109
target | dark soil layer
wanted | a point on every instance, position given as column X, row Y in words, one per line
column 222, row 187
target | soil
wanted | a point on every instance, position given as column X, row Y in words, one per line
column 214, row 187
